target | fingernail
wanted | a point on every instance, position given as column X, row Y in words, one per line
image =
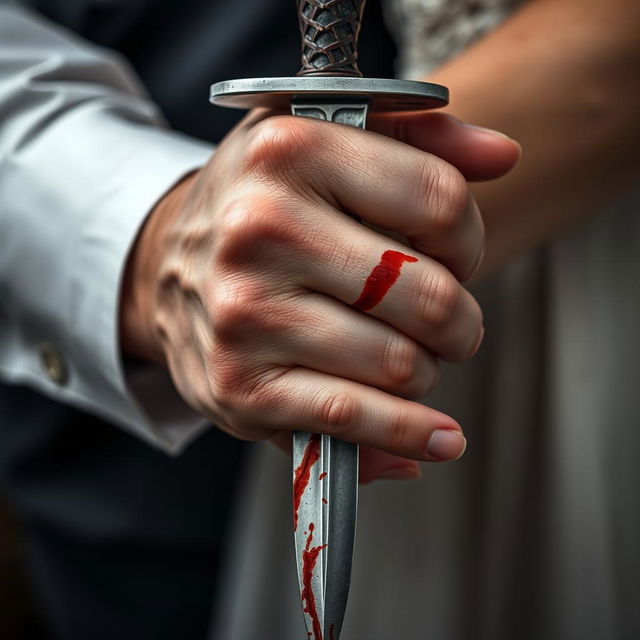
column 400, row 473
column 446, row 444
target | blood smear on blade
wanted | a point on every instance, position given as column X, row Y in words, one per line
column 303, row 474
column 309, row 560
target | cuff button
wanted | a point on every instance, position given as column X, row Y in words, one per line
column 53, row 363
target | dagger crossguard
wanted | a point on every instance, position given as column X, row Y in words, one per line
column 328, row 87
column 329, row 30
column 329, row 73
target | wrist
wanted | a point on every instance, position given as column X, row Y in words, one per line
column 138, row 336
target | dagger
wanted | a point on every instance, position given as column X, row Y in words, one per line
column 330, row 87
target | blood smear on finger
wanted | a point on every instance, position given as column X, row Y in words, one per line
column 381, row 279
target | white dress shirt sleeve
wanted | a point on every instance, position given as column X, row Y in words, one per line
column 84, row 156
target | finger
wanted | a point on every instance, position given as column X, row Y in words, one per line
column 374, row 464
column 342, row 342
column 304, row 400
column 305, row 247
column 385, row 182
column 478, row 153
column 409, row 291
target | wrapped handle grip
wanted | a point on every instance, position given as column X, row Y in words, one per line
column 330, row 30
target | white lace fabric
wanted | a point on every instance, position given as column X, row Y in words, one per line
column 429, row 32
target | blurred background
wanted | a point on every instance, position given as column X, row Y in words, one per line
column 19, row 618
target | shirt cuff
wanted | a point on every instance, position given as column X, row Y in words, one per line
column 158, row 159
column 138, row 163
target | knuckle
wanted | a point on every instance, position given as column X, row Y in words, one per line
column 412, row 371
column 448, row 197
column 400, row 359
column 425, row 381
column 278, row 143
column 337, row 412
column 236, row 308
column 251, row 222
column 439, row 298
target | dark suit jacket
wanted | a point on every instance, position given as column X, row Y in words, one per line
column 123, row 541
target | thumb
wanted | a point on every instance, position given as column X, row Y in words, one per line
column 478, row 153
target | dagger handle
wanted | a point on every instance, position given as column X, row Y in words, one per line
column 329, row 31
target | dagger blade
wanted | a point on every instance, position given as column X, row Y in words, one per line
column 325, row 474
column 325, row 508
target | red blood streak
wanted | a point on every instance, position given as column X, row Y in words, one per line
column 303, row 473
column 381, row 279
column 331, row 636
column 324, row 500
column 322, row 476
column 309, row 559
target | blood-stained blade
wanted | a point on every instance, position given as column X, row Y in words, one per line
column 325, row 500
column 330, row 87
column 325, row 476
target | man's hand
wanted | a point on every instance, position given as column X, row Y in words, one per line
column 244, row 277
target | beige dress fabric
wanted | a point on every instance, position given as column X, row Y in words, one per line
column 535, row 533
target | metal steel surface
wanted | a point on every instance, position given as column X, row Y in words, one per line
column 325, row 470
column 277, row 93
column 326, row 474
column 326, row 504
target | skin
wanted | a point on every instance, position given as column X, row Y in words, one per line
column 242, row 278
column 569, row 92
column 213, row 292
